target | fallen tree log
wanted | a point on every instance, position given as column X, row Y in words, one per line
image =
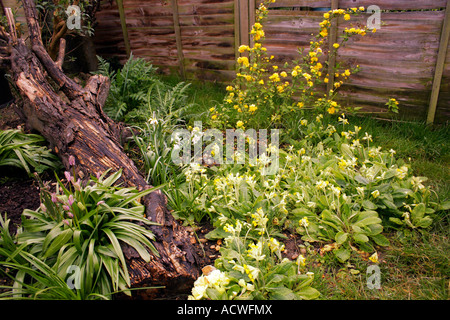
column 71, row 118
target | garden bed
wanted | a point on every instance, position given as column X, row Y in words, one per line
column 350, row 210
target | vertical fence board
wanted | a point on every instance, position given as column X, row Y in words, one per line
column 331, row 41
column 176, row 25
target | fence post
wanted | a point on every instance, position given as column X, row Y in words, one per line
column 332, row 40
column 176, row 26
column 244, row 18
column 123, row 23
column 244, row 29
column 442, row 53
column 251, row 18
column 237, row 36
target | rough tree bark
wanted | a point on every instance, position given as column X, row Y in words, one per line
column 72, row 120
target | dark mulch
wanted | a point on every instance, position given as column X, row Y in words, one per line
column 16, row 194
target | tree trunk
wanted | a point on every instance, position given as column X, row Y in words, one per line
column 72, row 120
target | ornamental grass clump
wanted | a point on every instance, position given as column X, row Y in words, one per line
column 26, row 151
column 78, row 232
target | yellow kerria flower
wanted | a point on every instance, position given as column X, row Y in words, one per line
column 257, row 25
column 258, row 34
column 374, row 257
column 243, row 60
column 239, row 124
column 326, row 15
column 336, row 45
column 283, row 74
column 229, row 88
column 214, row 116
column 347, row 17
column 294, row 73
column 331, row 110
column 307, row 76
column 324, row 24
column 324, row 33
column 243, row 48
column 275, row 77
column 252, row 108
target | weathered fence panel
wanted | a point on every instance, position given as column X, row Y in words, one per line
column 199, row 39
column 398, row 61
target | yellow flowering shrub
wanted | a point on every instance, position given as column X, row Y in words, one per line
column 263, row 94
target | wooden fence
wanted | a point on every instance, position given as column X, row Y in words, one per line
column 404, row 59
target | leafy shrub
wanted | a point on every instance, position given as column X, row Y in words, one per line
column 129, row 85
column 26, row 151
column 138, row 93
column 42, row 282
